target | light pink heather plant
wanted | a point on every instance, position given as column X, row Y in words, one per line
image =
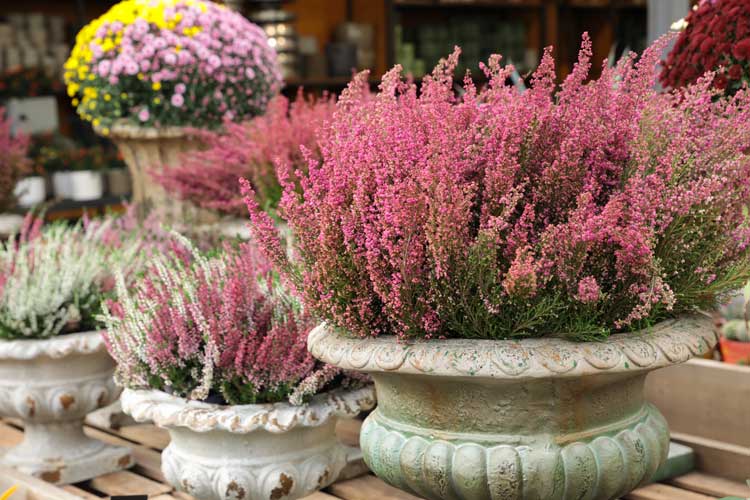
column 215, row 327
column 583, row 210
column 208, row 178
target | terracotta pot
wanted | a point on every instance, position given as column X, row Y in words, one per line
column 156, row 149
column 734, row 351
column 51, row 385
column 530, row 419
column 251, row 452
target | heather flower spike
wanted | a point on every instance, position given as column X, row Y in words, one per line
column 585, row 209
column 215, row 327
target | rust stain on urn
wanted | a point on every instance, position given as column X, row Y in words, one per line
column 323, row 479
column 124, row 461
column 101, row 400
column 32, row 406
column 285, row 486
column 66, row 400
column 239, row 491
column 51, row 476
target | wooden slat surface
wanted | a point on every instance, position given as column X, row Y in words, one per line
column 146, row 477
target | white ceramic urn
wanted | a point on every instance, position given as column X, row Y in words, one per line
column 51, row 384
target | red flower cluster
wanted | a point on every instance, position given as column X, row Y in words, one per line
column 717, row 38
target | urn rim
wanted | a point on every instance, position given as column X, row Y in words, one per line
column 57, row 347
column 167, row 410
column 666, row 343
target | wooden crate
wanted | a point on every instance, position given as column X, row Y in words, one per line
column 146, row 478
column 707, row 405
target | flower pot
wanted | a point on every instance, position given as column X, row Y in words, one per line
column 51, row 385
column 31, row 191
column 734, row 351
column 154, row 149
column 61, row 184
column 251, row 452
column 10, row 224
column 118, row 182
column 531, row 419
column 86, row 185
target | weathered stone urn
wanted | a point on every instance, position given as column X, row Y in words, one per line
column 51, row 385
column 532, row 419
column 251, row 452
column 147, row 150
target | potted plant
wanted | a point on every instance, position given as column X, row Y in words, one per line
column 14, row 164
column 54, row 367
column 118, row 178
column 85, row 179
column 212, row 348
column 208, row 178
column 715, row 36
column 734, row 343
column 146, row 72
column 509, row 266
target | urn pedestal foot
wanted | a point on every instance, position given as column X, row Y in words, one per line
column 61, row 453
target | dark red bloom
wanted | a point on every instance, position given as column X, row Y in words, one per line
column 741, row 50
column 717, row 38
column 720, row 82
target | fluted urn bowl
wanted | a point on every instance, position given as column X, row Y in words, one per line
column 529, row 419
column 251, row 452
column 51, row 385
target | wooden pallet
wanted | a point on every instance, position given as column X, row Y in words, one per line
column 147, row 441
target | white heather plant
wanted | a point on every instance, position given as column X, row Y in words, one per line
column 54, row 278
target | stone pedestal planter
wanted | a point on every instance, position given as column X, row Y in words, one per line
column 532, row 419
column 252, row 452
column 51, row 385
column 149, row 149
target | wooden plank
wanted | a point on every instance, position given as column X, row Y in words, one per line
column 320, row 496
column 665, row 492
column 127, row 483
column 368, row 488
column 704, row 398
column 30, row 488
column 717, row 458
column 712, row 485
column 9, row 435
column 147, row 461
column 75, row 490
column 146, row 434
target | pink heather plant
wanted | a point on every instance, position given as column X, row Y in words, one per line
column 209, row 178
column 171, row 63
column 216, row 327
column 580, row 211
column 13, row 161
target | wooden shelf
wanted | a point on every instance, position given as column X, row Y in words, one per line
column 146, row 477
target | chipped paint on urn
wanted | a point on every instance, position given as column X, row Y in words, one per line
column 543, row 419
column 251, row 452
column 51, row 385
